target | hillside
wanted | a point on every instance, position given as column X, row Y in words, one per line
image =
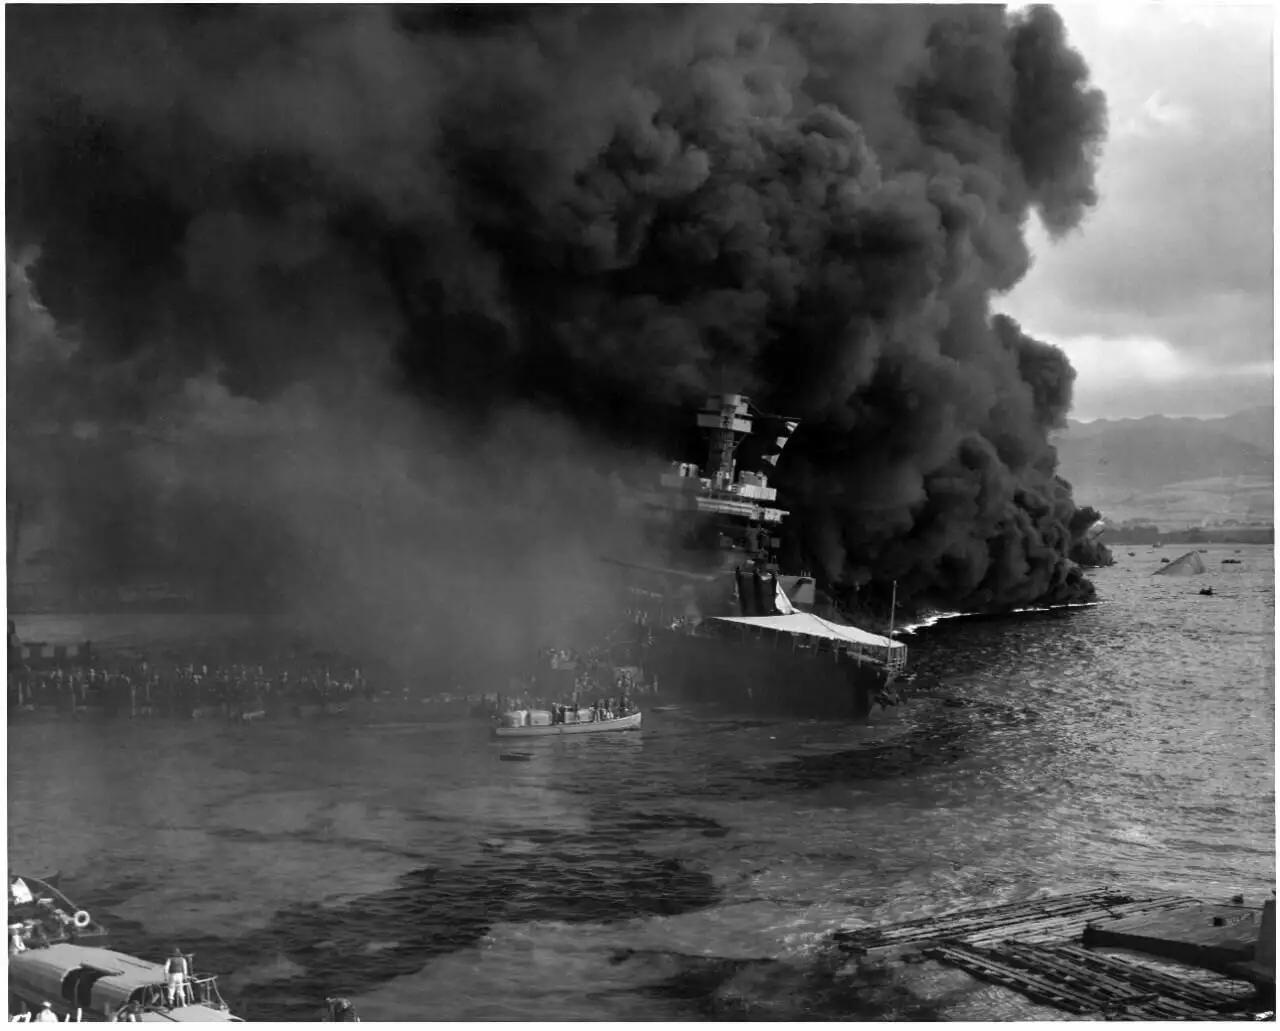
column 1255, row 426
column 1174, row 472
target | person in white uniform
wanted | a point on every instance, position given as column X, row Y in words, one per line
column 176, row 971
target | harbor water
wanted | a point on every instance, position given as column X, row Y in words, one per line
column 696, row 869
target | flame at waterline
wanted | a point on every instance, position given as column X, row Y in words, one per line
column 938, row 617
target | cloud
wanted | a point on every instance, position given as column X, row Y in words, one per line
column 1211, row 395
column 1158, row 115
column 1179, row 252
column 1134, row 376
column 1132, row 358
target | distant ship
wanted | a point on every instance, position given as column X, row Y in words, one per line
column 718, row 621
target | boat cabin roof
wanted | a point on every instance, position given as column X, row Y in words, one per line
column 50, row 965
column 43, row 970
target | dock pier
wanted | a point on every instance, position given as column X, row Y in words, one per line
column 1222, row 939
column 1045, row 949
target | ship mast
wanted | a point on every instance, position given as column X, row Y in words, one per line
column 741, row 506
column 728, row 419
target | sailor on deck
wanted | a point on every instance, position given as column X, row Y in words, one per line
column 176, row 971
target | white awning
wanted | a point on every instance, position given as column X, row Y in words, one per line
column 814, row 626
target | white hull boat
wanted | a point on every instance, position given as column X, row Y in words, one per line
column 57, row 960
column 631, row 722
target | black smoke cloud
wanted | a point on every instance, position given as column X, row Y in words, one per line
column 382, row 528
column 420, row 250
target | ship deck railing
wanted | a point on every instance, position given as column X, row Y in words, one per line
column 196, row 990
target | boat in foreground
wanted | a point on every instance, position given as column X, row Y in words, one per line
column 57, row 962
column 618, row 723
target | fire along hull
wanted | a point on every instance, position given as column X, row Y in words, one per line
column 765, row 676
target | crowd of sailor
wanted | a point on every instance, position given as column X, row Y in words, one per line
column 574, row 686
column 143, row 689
column 132, row 686
column 597, row 710
column 593, row 672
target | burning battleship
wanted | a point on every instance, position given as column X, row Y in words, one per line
column 720, row 621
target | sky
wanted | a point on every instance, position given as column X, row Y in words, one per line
column 1163, row 297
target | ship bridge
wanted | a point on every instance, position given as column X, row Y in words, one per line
column 739, row 502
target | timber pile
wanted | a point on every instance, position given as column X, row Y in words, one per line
column 1031, row 947
column 1206, row 992
column 1077, row 981
column 1047, row 919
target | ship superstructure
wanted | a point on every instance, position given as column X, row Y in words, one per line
column 720, row 621
column 720, row 508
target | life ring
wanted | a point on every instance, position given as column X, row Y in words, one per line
column 81, row 919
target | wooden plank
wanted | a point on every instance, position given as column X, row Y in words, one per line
column 1033, row 915
column 1167, row 985
column 1112, row 985
column 1073, row 981
column 1032, row 957
column 1004, row 908
column 1050, row 922
column 1109, row 993
column 987, row 968
column 1069, row 925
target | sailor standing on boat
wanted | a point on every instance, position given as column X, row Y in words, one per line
column 176, row 971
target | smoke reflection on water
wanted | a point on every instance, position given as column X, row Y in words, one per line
column 692, row 870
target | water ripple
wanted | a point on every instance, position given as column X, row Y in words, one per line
column 694, row 870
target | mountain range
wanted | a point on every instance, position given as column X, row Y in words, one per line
column 1174, row 472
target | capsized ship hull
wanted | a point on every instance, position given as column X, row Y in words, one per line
column 764, row 675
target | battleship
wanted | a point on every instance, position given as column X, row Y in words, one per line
column 718, row 621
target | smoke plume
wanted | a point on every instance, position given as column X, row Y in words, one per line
column 370, row 301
